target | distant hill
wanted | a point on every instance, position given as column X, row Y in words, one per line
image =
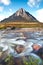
column 21, row 15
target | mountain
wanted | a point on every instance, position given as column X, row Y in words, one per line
column 21, row 15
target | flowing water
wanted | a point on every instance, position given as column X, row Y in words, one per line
column 10, row 39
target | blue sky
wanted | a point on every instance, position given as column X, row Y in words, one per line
column 8, row 7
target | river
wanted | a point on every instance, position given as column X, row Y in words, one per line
column 11, row 38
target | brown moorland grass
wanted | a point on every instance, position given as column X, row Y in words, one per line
column 21, row 24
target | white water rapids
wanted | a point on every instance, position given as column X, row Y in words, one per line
column 9, row 40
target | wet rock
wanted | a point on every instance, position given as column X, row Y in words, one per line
column 19, row 49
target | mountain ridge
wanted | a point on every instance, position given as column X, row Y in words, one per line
column 21, row 15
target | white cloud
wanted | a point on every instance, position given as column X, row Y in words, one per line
column 5, row 2
column 1, row 8
column 2, row 17
column 39, row 15
column 33, row 3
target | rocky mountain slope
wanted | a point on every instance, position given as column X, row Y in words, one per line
column 21, row 15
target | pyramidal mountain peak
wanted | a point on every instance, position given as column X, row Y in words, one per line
column 20, row 12
column 21, row 15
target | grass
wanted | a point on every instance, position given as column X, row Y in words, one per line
column 22, row 61
column 21, row 25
